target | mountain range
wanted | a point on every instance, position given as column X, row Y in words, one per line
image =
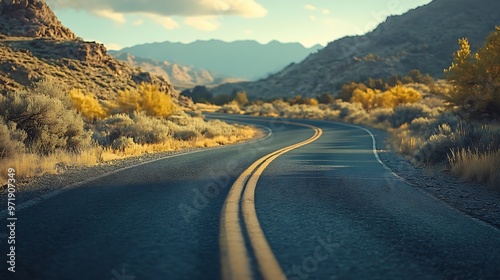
column 423, row 38
column 248, row 60
column 181, row 76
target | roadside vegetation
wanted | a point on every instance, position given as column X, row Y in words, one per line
column 451, row 125
column 47, row 128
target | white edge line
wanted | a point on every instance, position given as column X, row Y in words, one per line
column 54, row 193
column 406, row 181
column 374, row 148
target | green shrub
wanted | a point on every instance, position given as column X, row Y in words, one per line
column 122, row 143
column 47, row 121
column 186, row 135
column 11, row 139
column 148, row 130
column 465, row 136
column 408, row 112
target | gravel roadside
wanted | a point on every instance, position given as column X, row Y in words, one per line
column 474, row 199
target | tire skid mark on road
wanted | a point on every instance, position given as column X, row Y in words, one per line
column 234, row 254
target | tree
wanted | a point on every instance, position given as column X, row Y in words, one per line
column 199, row 94
column 348, row 90
column 326, row 98
column 476, row 78
column 241, row 98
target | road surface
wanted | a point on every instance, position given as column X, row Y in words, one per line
column 310, row 201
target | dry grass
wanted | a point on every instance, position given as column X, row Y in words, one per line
column 208, row 108
column 29, row 165
column 403, row 140
column 475, row 166
column 243, row 133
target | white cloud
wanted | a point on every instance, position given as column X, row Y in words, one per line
column 249, row 32
column 245, row 8
column 206, row 23
column 313, row 18
column 109, row 14
column 166, row 22
column 310, row 7
column 113, row 46
column 138, row 22
column 325, row 11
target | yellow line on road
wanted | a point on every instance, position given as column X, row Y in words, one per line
column 234, row 256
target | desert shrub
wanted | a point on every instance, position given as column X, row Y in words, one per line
column 348, row 111
column 54, row 90
column 420, row 124
column 148, row 98
column 404, row 140
column 199, row 94
column 217, row 128
column 87, row 104
column 148, row 130
column 121, row 143
column 222, row 99
column 380, row 118
column 349, row 88
column 325, row 98
column 186, row 135
column 48, row 124
column 365, row 97
column 299, row 100
column 402, row 95
column 139, row 127
column 467, row 135
column 11, row 139
column 230, row 108
column 108, row 130
column 408, row 112
column 374, row 98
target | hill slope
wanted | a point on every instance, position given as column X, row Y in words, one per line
column 248, row 60
column 423, row 38
column 34, row 45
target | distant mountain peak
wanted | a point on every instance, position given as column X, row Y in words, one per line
column 31, row 18
column 241, row 59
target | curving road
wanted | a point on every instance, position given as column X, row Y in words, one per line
column 310, row 201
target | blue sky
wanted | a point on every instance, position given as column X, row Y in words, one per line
column 123, row 23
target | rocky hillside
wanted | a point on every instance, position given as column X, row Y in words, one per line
column 423, row 38
column 180, row 76
column 34, row 45
column 248, row 60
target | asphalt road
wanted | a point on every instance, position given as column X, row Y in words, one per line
column 328, row 210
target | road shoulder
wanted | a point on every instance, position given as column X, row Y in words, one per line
column 477, row 200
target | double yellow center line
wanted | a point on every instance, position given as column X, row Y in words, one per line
column 234, row 256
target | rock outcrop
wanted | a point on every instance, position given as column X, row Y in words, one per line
column 34, row 45
column 31, row 18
